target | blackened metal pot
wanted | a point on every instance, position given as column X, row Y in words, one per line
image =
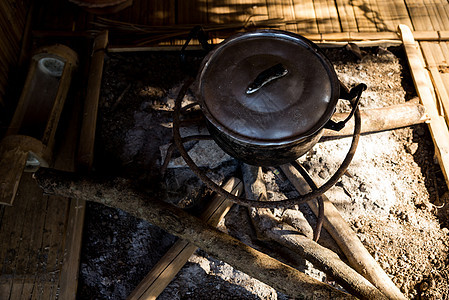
column 267, row 95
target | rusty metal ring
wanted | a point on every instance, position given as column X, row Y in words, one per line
column 255, row 203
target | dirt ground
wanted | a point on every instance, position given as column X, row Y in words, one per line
column 393, row 194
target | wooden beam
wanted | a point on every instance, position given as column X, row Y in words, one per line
column 437, row 124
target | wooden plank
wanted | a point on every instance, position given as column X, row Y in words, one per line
column 322, row 16
column 423, row 84
column 419, row 15
column 88, row 128
column 29, row 254
column 172, row 262
column 435, row 59
column 274, row 9
column 13, row 222
column 347, row 16
column 192, row 12
column 12, row 164
column 403, row 16
column 442, row 16
column 305, row 15
column 218, row 12
column 445, row 50
column 333, row 15
column 364, row 23
column 384, row 16
column 288, row 13
column 434, row 16
column 53, row 242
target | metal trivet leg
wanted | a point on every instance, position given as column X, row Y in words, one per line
column 315, row 193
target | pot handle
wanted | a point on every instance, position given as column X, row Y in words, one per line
column 352, row 95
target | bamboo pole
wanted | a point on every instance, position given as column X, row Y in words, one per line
column 118, row 193
column 381, row 119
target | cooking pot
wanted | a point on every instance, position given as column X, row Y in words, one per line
column 267, row 96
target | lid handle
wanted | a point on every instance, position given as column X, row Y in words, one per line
column 270, row 74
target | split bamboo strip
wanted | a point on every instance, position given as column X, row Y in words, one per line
column 275, row 11
column 434, row 16
column 403, row 15
column 305, row 13
column 289, row 14
column 242, row 11
column 322, row 15
column 28, row 260
column 432, row 66
column 333, row 16
column 260, row 12
column 442, row 16
column 143, row 11
column 10, row 235
column 394, row 15
column 384, row 16
column 437, row 124
column 361, row 16
column 445, row 49
column 217, row 12
column 426, row 35
column 374, row 13
column 418, row 15
column 347, row 17
column 446, row 9
column 435, row 59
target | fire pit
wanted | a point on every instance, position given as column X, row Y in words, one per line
column 381, row 181
column 267, row 96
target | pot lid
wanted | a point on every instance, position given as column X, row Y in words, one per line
column 268, row 87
